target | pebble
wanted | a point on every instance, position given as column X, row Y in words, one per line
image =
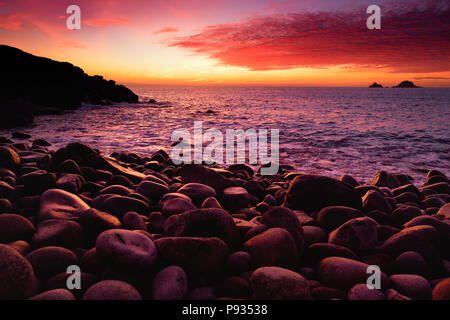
column 358, row 234
column 55, row 294
column 48, row 261
column 413, row 286
column 112, row 290
column 362, row 292
column 197, row 192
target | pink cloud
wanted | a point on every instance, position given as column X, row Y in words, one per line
column 166, row 30
column 10, row 22
column 106, row 22
column 413, row 39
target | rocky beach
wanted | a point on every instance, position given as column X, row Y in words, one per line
column 143, row 228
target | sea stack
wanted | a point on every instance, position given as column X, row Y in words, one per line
column 375, row 85
column 406, row 84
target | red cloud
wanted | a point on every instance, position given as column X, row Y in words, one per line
column 166, row 30
column 10, row 22
column 106, row 22
column 415, row 39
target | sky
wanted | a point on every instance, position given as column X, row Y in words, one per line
column 239, row 42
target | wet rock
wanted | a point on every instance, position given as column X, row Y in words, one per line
column 238, row 262
column 16, row 274
column 112, row 290
column 314, row 234
column 211, row 202
column 281, row 217
column 49, row 261
column 385, row 232
column 196, row 254
column 274, row 247
column 15, row 227
column 95, row 222
column 203, row 223
column 444, row 212
column 116, row 190
column 391, row 294
column 349, row 180
column 410, row 262
column 192, row 173
column 119, row 205
column 384, row 179
column 332, row 218
column 325, row 293
column 413, row 286
column 197, row 192
column 20, row 246
column 312, row 193
column 274, row 283
column 442, row 290
column 55, row 294
column 70, row 182
column 177, row 206
column 59, row 281
column 38, row 181
column 170, row 284
column 373, row 200
column 134, row 221
column 362, row 292
column 405, row 213
column 6, row 191
column 127, row 250
column 343, row 273
column 235, row 198
column 6, row 206
column 233, row 287
column 59, row 204
column 359, row 235
column 58, row 232
column 318, row 251
column 9, row 159
column 152, row 190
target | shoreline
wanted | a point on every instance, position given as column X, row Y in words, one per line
column 143, row 228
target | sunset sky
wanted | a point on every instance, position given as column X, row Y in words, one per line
column 239, row 42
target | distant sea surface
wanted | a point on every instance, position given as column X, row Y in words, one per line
column 329, row 131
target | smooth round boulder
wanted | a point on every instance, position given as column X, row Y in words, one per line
column 15, row 227
column 311, row 193
column 16, row 275
column 238, row 262
column 48, row 261
column 170, row 284
column 359, row 234
column 274, row 247
column 405, row 213
column 281, row 217
column 374, row 200
column 70, row 182
column 95, row 222
column 197, row 192
column 331, row 218
column 274, row 283
column 235, row 198
column 127, row 250
column 442, row 290
column 444, row 212
column 410, row 285
column 60, row 204
column 134, row 221
column 316, row 252
column 203, row 223
column 120, row 205
column 58, row 232
column 152, row 190
column 116, row 189
column 9, row 159
column 176, row 206
column 112, row 290
column 195, row 254
column 313, row 234
column 343, row 273
column 363, row 292
column 411, row 262
column 55, row 294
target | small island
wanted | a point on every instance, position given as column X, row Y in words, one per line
column 406, row 84
column 375, row 85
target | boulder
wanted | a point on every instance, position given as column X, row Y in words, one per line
column 16, row 275
column 235, row 198
column 59, row 204
column 195, row 254
column 274, row 247
column 15, row 227
column 127, row 250
column 170, row 284
column 359, row 234
column 112, row 290
column 332, row 218
column 58, row 232
column 9, row 159
column 312, row 193
column 442, row 290
column 197, row 192
column 48, row 261
column 55, row 294
column 410, row 285
column 362, row 292
column 274, row 283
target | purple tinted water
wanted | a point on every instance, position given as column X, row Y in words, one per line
column 327, row 131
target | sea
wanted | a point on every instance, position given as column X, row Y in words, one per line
column 327, row 131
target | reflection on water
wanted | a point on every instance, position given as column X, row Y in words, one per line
column 322, row 130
